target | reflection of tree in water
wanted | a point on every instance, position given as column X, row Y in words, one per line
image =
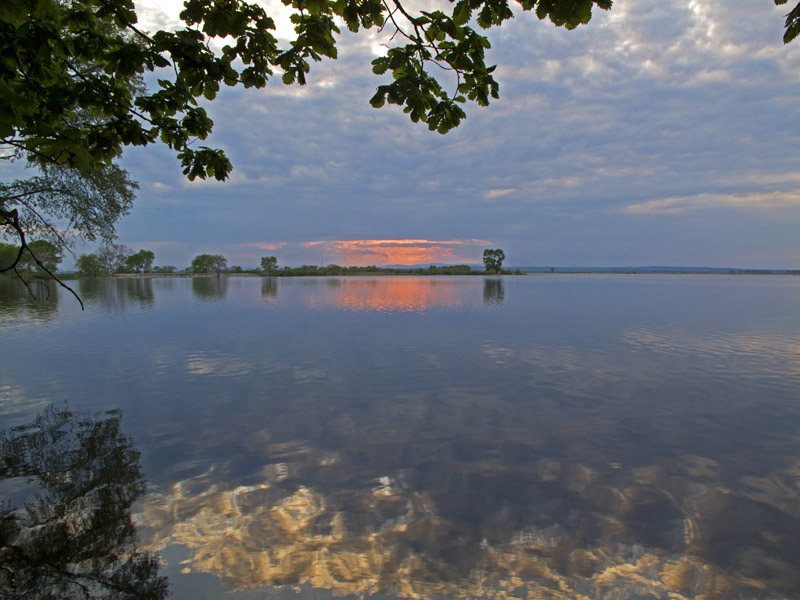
column 269, row 288
column 68, row 533
column 493, row 290
column 139, row 290
column 115, row 293
column 209, row 288
column 17, row 302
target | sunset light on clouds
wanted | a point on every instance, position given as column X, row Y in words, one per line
column 400, row 252
column 267, row 246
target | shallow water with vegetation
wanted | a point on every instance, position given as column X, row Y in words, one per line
column 554, row 436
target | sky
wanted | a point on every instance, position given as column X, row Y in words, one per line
column 662, row 133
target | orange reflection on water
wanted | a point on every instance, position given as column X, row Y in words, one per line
column 403, row 294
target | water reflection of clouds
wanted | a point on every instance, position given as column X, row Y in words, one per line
column 14, row 401
column 549, row 360
column 661, row 530
column 498, row 355
column 766, row 357
column 234, row 366
column 777, row 350
column 220, row 366
column 314, row 374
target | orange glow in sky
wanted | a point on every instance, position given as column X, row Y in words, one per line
column 401, row 252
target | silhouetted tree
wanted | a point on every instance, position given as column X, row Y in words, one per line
column 113, row 257
column 90, row 265
column 208, row 263
column 493, row 260
column 269, row 264
column 140, row 262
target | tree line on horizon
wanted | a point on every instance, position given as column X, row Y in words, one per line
column 109, row 259
column 115, row 259
column 40, row 258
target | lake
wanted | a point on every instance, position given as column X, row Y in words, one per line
column 629, row 437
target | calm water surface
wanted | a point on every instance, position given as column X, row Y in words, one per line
column 616, row 437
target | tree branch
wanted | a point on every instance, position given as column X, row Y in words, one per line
column 23, row 194
column 12, row 218
column 23, row 147
column 128, row 24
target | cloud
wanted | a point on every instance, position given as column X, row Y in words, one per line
column 755, row 201
column 163, row 14
column 160, row 245
column 498, row 193
column 266, row 245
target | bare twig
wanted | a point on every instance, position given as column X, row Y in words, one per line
column 47, row 225
column 45, row 157
column 23, row 194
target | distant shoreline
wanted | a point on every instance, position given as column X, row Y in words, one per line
column 726, row 272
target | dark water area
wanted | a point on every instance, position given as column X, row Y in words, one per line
column 622, row 437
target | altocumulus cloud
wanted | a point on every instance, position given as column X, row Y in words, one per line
column 753, row 202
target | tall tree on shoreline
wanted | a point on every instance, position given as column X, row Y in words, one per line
column 208, row 263
column 140, row 262
column 269, row 264
column 493, row 260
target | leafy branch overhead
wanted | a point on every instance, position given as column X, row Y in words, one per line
column 63, row 58
column 49, row 45
column 59, row 58
column 792, row 22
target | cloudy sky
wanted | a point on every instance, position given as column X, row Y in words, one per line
column 662, row 133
